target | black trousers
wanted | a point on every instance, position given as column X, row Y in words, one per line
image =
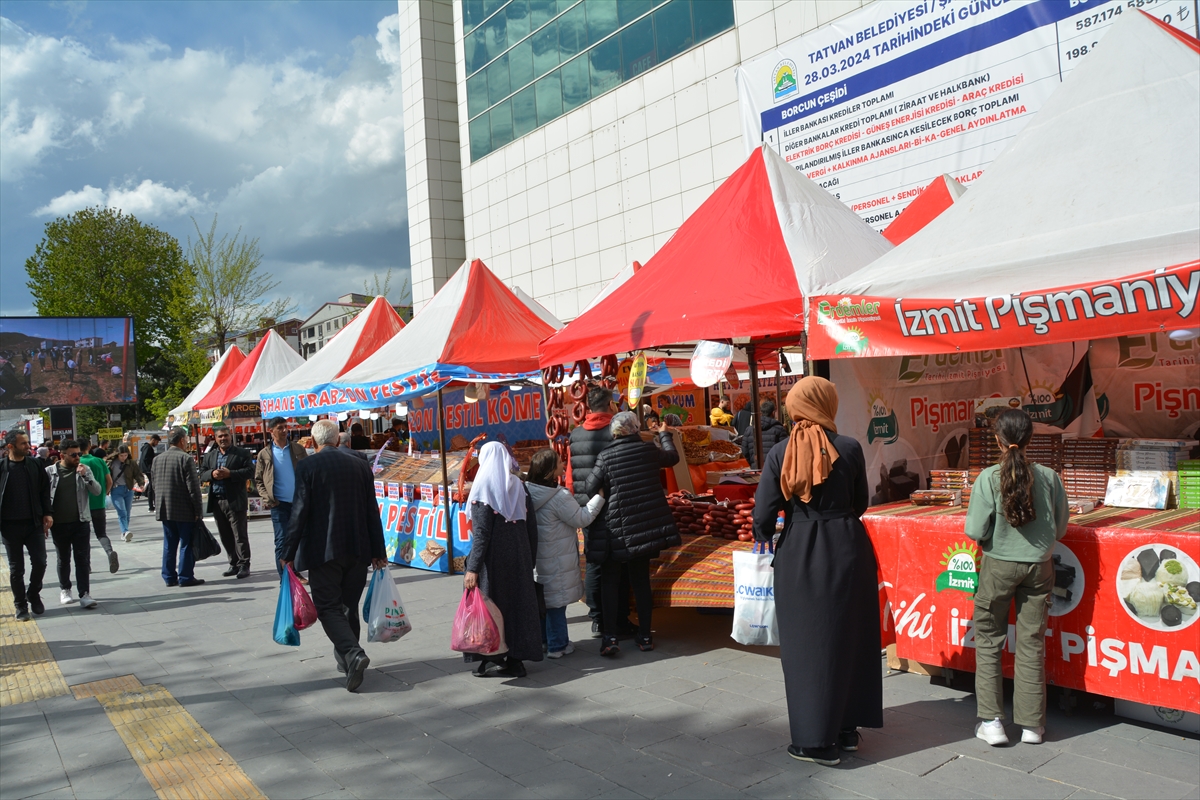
column 638, row 574
column 19, row 536
column 100, row 522
column 337, row 588
column 149, row 491
column 592, row 594
column 73, row 538
column 231, row 524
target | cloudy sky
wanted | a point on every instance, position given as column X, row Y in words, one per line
column 282, row 117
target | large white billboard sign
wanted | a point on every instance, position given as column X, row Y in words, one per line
column 876, row 105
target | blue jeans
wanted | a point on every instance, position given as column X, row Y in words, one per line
column 177, row 536
column 556, row 629
column 281, row 515
column 122, row 499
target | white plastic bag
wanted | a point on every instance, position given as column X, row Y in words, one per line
column 386, row 621
column 754, row 597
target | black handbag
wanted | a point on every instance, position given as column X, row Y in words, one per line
column 204, row 544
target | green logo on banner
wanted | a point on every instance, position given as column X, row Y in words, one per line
column 961, row 573
column 851, row 340
column 884, row 429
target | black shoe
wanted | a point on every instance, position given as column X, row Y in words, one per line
column 244, row 572
column 827, row 756
column 609, row 646
column 596, row 632
column 356, row 670
column 229, row 573
column 848, row 739
column 23, row 615
column 645, row 643
column 192, row 582
column 172, row 583
column 481, row 671
column 513, row 668
column 36, row 605
column 114, row 563
column 341, row 665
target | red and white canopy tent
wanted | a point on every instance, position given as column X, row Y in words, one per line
column 1086, row 226
column 739, row 267
column 366, row 333
column 229, row 361
column 474, row 330
column 940, row 194
column 267, row 363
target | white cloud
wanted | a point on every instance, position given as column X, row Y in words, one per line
column 295, row 155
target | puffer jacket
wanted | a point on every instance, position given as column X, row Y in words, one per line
column 773, row 433
column 639, row 523
column 586, row 447
column 559, row 519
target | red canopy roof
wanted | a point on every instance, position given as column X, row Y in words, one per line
column 737, row 267
column 935, row 198
column 271, row 360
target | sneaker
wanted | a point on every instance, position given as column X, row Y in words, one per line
column 86, row 601
column 114, row 563
column 644, row 643
column 566, row 651
column 127, row 536
column 65, row 598
column 992, row 732
column 1033, row 735
column 23, row 615
column 848, row 739
column 596, row 632
column 36, row 605
column 609, row 646
column 827, row 756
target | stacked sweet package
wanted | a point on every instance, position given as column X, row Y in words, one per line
column 1087, row 464
column 1189, row 483
column 1149, row 458
column 1044, row 448
column 955, row 480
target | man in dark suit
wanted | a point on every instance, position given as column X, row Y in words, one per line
column 335, row 533
column 178, row 508
column 226, row 468
column 25, row 521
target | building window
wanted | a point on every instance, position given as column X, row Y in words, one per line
column 531, row 61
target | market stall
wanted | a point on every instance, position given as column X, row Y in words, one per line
column 1082, row 313
column 229, row 361
column 461, row 368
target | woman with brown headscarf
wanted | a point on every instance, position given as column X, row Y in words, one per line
column 825, row 578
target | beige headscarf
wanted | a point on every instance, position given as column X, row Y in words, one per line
column 812, row 404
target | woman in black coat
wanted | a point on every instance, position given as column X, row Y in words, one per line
column 639, row 522
column 825, row 578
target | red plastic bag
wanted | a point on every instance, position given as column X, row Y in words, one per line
column 475, row 626
column 303, row 609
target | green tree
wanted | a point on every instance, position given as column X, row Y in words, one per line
column 232, row 289
column 381, row 289
column 102, row 262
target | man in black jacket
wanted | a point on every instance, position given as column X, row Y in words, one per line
column 24, row 522
column 773, row 433
column 145, row 458
column 335, row 533
column 226, row 468
column 588, row 441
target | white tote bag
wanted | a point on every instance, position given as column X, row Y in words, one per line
column 386, row 621
column 754, row 597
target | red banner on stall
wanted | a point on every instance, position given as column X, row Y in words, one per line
column 1122, row 623
column 1159, row 300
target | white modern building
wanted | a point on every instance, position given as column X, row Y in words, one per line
column 560, row 140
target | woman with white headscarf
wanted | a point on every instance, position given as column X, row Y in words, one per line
column 503, row 549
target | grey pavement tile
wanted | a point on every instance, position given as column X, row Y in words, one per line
column 754, row 664
column 650, row 776
column 22, row 727
column 1162, row 761
column 481, row 782
column 1088, row 794
column 505, row 753
column 300, row 717
column 903, row 750
column 118, row 779
column 502, row 709
column 671, row 687
column 566, row 781
column 629, row 730
column 332, row 743
column 875, row 780
column 990, row 780
column 386, row 734
column 801, row 785
column 596, row 753
column 238, row 731
column 704, row 789
column 1016, row 755
column 288, row 775
column 713, row 761
column 432, row 760
column 747, row 710
column 378, row 778
column 1087, row 773
column 31, row 768
column 749, row 740
column 414, row 672
column 619, row 793
column 61, row 793
column 545, row 731
column 1188, row 744
column 764, row 690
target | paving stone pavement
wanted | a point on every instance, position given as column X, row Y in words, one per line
column 700, row 717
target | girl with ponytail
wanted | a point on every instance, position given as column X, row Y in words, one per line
column 1018, row 511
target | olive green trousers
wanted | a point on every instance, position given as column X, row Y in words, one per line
column 1001, row 583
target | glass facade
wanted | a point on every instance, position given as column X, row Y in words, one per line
column 530, row 61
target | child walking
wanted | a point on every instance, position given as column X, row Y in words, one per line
column 559, row 518
column 1018, row 511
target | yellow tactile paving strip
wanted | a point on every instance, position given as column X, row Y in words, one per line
column 177, row 756
column 28, row 671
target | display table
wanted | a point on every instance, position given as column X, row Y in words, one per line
column 697, row 574
column 1094, row 640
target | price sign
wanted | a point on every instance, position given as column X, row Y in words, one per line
column 637, row 379
column 710, row 361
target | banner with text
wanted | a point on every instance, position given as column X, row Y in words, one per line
column 882, row 101
column 1148, row 386
column 514, row 414
column 415, row 531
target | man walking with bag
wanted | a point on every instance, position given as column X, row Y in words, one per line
column 70, row 485
column 24, row 522
column 226, row 468
column 335, row 533
column 178, row 509
column 275, row 479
